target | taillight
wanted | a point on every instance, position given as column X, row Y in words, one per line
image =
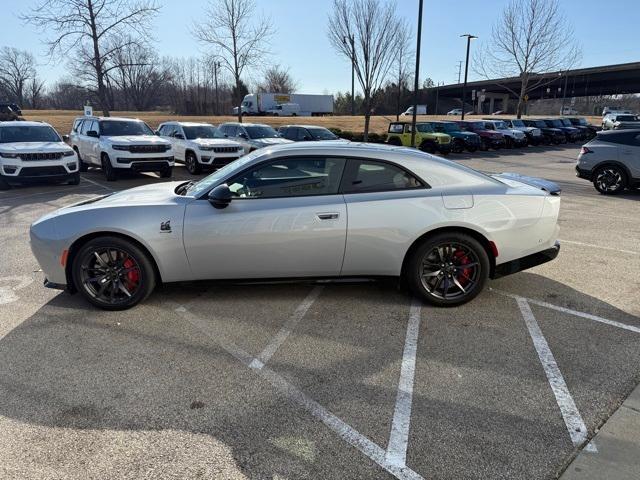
column 585, row 150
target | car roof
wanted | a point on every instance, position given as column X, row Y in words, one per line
column 187, row 124
column 246, row 124
column 93, row 117
column 303, row 126
column 24, row 123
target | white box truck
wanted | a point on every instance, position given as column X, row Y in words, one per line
column 308, row 105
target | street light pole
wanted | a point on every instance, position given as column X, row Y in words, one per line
column 466, row 70
column 416, row 77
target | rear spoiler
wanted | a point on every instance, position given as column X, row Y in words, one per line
column 546, row 185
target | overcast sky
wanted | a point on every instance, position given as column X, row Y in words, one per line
column 300, row 42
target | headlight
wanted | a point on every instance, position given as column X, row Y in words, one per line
column 120, row 147
column 68, row 153
column 9, row 155
column 206, row 148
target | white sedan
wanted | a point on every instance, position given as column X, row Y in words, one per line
column 306, row 210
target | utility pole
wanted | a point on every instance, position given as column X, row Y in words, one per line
column 216, row 67
column 466, row 70
column 437, row 95
column 459, row 70
column 416, row 76
column 353, row 69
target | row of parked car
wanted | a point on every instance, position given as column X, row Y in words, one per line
column 471, row 135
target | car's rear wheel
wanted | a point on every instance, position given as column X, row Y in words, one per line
column 107, row 168
column 394, row 141
column 610, row 180
column 113, row 273
column 82, row 166
column 191, row 162
column 448, row 269
column 471, row 149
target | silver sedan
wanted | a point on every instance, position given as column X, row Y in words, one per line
column 306, row 210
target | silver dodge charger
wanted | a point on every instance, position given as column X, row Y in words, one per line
column 306, row 210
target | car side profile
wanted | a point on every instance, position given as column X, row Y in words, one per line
column 306, row 133
column 199, row 146
column 426, row 138
column 513, row 137
column 613, row 121
column 251, row 136
column 35, row 151
column 489, row 138
column 306, row 210
column 117, row 144
column 534, row 134
column 611, row 161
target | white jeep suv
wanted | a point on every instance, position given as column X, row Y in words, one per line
column 120, row 144
column 199, row 145
column 34, row 150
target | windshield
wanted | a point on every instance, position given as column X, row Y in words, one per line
column 39, row 133
column 477, row 125
column 517, row 123
column 199, row 131
column 566, row 123
column 322, row 134
column 540, row 123
column 424, row 127
column 582, row 121
column 116, row 128
column 555, row 123
column 500, row 124
column 449, row 127
column 261, row 131
column 209, row 181
column 626, row 118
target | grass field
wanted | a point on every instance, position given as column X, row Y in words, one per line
column 63, row 119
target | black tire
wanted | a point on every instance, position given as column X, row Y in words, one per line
column 107, row 168
column 4, row 185
column 394, row 141
column 471, row 149
column 508, row 142
column 166, row 172
column 74, row 179
column 610, row 180
column 457, row 146
column 81, row 165
column 428, row 147
column 458, row 285
column 191, row 163
column 123, row 265
column 484, row 146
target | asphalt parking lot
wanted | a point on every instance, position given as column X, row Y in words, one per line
column 323, row 380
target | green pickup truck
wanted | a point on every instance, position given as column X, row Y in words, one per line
column 427, row 139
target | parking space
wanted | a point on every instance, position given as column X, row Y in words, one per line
column 323, row 380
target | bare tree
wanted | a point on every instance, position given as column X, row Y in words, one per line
column 365, row 31
column 17, row 67
column 277, row 80
column 403, row 60
column 34, row 92
column 532, row 37
column 237, row 40
column 93, row 30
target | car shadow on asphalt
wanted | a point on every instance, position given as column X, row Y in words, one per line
column 146, row 370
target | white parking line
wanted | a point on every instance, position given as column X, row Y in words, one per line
column 98, row 184
column 399, row 438
column 345, row 431
column 572, row 418
column 591, row 245
column 284, row 332
column 589, row 316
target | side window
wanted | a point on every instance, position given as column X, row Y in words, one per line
column 290, row 177
column 396, row 128
column 77, row 125
column 284, row 132
column 303, row 134
column 372, row 176
column 177, row 129
column 162, row 130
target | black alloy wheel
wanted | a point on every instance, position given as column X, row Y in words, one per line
column 610, row 180
column 191, row 162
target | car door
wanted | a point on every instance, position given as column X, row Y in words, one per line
column 179, row 142
column 630, row 154
column 286, row 219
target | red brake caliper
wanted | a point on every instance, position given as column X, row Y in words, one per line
column 465, row 274
column 133, row 276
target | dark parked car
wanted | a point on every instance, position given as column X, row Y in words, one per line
column 583, row 132
column 460, row 139
column 13, row 106
column 7, row 114
column 489, row 138
column 581, row 122
column 571, row 133
column 551, row 135
column 305, row 133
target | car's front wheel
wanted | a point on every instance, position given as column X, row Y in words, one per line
column 448, row 269
column 610, row 180
column 113, row 273
column 108, row 170
column 191, row 162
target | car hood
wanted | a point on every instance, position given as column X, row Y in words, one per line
column 137, row 140
column 215, row 142
column 511, row 131
column 513, row 179
column 41, row 147
column 271, row 141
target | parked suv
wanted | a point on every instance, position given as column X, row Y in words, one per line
column 427, row 139
column 583, row 132
column 306, row 133
column 13, row 106
column 460, row 140
column 615, row 121
column 251, row 136
column 550, row 135
column 512, row 137
column 199, row 145
column 34, row 150
column 611, row 161
column 581, row 122
column 7, row 114
column 120, row 144
column 533, row 134
column 489, row 138
column 571, row 134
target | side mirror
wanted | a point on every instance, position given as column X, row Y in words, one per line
column 220, row 197
column 92, row 133
column 179, row 136
column 243, row 135
column 65, row 138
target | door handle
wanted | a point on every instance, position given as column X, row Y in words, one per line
column 328, row 215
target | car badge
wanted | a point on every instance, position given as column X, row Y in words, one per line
column 165, row 226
